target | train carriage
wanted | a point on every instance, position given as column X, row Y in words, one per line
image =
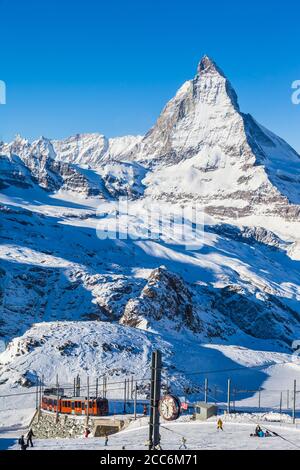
column 75, row 405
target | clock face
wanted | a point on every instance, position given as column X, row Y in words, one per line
column 169, row 407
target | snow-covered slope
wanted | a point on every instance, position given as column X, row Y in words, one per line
column 30, row 164
column 93, row 149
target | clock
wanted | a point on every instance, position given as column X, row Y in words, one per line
column 169, row 407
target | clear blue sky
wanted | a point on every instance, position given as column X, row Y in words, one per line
column 110, row 66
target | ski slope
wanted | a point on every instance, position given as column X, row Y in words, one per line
column 199, row 436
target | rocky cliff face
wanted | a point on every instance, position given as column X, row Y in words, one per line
column 164, row 298
column 28, row 164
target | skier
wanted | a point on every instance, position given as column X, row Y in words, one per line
column 22, row 443
column 30, row 435
column 87, row 432
column 258, row 430
column 145, row 410
column 220, row 424
column 183, row 443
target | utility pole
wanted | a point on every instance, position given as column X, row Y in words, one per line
column 88, row 401
column 97, row 387
column 77, row 386
column 104, row 386
column 135, row 400
column 57, row 397
column 132, row 388
column 74, row 387
column 155, row 390
column 228, row 395
column 294, row 402
column 40, row 394
column 205, row 390
column 37, row 394
column 125, row 396
column 288, row 399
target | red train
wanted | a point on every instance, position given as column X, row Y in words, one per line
column 75, row 405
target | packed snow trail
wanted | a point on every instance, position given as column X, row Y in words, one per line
column 200, row 436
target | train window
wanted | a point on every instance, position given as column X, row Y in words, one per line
column 55, row 402
column 73, row 405
column 69, row 404
column 82, row 405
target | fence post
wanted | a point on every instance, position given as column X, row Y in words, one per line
column 125, row 396
column 205, row 390
column 135, row 400
column 57, row 397
column 228, row 395
column 294, row 402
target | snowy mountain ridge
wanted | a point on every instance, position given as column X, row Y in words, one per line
column 202, row 148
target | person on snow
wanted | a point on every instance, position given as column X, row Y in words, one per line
column 22, row 443
column 220, row 424
column 183, row 443
column 258, row 430
column 145, row 410
column 105, row 439
column 87, row 432
column 30, row 435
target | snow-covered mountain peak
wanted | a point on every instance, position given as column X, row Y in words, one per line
column 207, row 65
column 212, row 86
